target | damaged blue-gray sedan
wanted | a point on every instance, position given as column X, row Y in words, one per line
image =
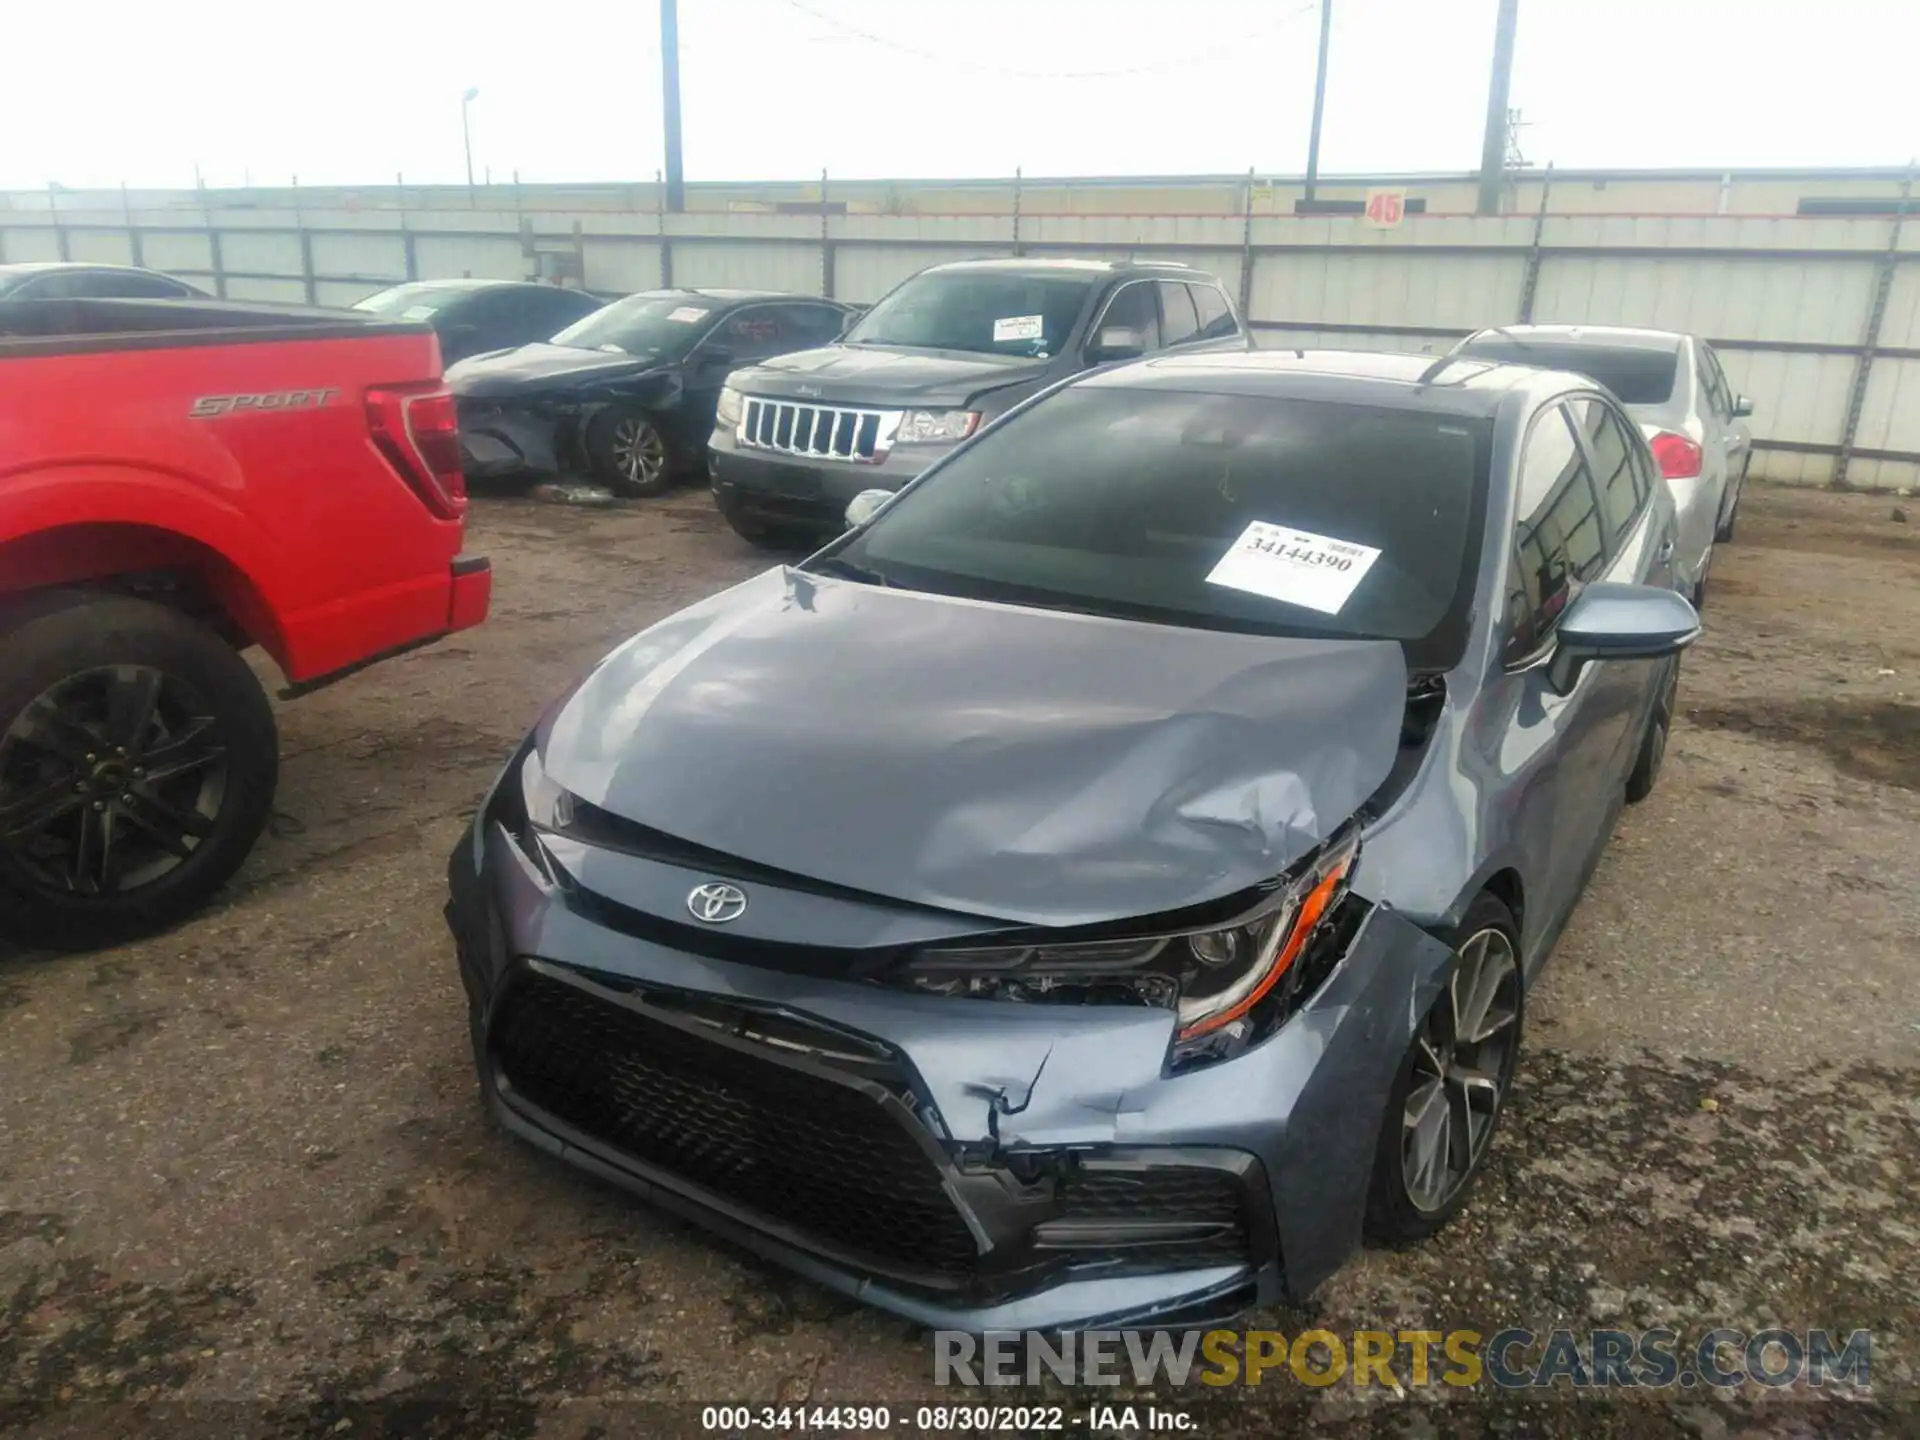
column 1106, row 880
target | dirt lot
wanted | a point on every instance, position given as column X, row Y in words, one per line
column 242, row 1170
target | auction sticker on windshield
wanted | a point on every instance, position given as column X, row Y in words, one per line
column 687, row 315
column 1019, row 327
column 1296, row 566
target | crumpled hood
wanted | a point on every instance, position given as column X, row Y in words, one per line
column 879, row 376
column 1024, row 765
column 506, row 372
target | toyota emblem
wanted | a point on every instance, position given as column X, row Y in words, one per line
column 717, row 903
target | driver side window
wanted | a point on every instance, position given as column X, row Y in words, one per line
column 1557, row 540
column 1132, row 307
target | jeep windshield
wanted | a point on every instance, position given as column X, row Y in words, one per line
column 983, row 312
column 1126, row 503
column 663, row 325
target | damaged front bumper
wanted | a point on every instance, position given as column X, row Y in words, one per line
column 968, row 1164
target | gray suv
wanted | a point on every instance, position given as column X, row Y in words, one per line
column 937, row 357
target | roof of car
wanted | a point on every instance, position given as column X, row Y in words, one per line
column 25, row 267
column 727, row 297
column 1612, row 337
column 1360, row 377
column 1065, row 266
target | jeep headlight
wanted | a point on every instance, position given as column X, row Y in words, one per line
column 727, row 411
column 936, row 427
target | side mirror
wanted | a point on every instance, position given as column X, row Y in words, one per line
column 864, row 506
column 1741, row 406
column 714, row 356
column 1116, row 342
column 1619, row 622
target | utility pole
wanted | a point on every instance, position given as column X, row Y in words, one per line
column 466, row 131
column 1493, row 151
column 670, row 91
column 1319, row 99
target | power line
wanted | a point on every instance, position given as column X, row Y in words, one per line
column 959, row 63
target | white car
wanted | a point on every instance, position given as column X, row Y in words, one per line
column 1672, row 385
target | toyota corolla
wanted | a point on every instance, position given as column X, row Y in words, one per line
column 1104, row 883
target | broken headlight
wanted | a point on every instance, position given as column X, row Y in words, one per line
column 1219, row 980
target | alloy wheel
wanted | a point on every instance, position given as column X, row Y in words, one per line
column 110, row 779
column 1463, row 1062
column 639, row 453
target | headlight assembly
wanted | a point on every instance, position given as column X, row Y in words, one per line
column 935, row 427
column 1227, row 985
column 727, row 410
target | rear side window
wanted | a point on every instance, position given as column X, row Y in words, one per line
column 1178, row 323
column 1615, row 475
column 1557, row 540
column 1713, row 385
column 1216, row 316
column 1636, row 376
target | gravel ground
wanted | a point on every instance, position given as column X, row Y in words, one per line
column 243, row 1173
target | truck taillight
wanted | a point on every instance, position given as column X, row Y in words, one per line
column 418, row 430
column 1677, row 456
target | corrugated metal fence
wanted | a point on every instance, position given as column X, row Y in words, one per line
column 1817, row 319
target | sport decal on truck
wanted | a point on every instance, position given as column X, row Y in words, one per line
column 208, row 406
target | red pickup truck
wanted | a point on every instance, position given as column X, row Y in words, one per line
column 180, row 480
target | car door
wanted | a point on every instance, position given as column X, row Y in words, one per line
column 1717, row 439
column 1639, row 552
column 1739, row 437
column 1555, row 751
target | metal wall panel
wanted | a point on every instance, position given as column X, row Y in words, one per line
column 622, row 266
column 863, row 273
column 100, row 247
column 261, row 252
column 344, row 293
column 448, row 257
column 28, row 242
column 1355, row 288
column 749, row 265
column 291, row 292
column 1724, row 298
column 1795, row 396
column 1890, row 418
column 1901, row 327
column 374, row 255
column 177, row 251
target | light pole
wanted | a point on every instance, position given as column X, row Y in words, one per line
column 466, row 127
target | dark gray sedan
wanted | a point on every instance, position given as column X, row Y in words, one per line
column 1108, row 877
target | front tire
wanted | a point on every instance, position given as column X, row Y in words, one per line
column 627, row 450
column 1452, row 1084
column 138, row 759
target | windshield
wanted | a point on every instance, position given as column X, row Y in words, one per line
column 986, row 312
column 1289, row 517
column 414, row 302
column 1637, row 376
column 665, row 325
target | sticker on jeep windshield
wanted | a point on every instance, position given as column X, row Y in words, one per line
column 1296, row 566
column 208, row 406
column 1019, row 327
column 688, row 315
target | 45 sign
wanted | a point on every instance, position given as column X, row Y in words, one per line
column 1386, row 208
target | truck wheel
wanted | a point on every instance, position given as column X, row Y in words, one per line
column 138, row 758
column 628, row 452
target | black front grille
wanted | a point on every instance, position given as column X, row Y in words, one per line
column 824, row 1157
column 1211, row 1201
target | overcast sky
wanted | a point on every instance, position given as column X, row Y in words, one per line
column 360, row 90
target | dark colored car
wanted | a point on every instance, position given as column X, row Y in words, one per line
column 1083, row 892
column 473, row 316
column 629, row 392
column 74, row 280
column 938, row 356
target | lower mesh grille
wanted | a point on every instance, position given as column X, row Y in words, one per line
column 812, row 1153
